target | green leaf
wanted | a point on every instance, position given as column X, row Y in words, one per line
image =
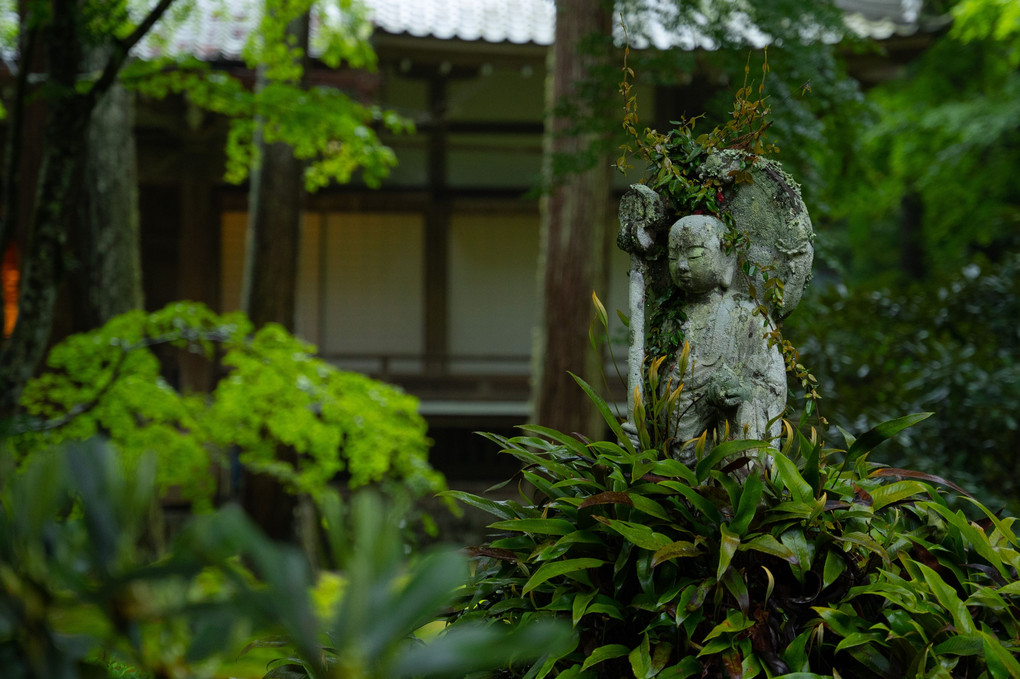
column 648, row 506
column 607, row 652
column 722, row 451
column 871, row 438
column 1001, row 663
column 961, row 644
column 834, row 567
column 702, row 504
column 811, row 462
column 894, row 492
column 728, row 544
column 799, row 489
column 538, row 526
column 973, row 537
column 675, row 550
column 641, row 660
column 839, row 622
column 802, row 549
column 947, row 596
column 607, row 414
column 768, row 544
column 735, row 622
column 734, row 582
column 566, row 440
column 637, row 534
column 556, row 568
column 675, row 469
column 750, row 496
column 580, row 606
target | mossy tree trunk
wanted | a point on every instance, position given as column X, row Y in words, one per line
column 574, row 214
column 60, row 27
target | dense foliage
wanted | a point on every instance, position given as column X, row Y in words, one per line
column 84, row 594
column 274, row 393
column 945, row 137
column 817, row 562
column 950, row 348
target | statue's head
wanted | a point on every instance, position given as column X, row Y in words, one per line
column 698, row 264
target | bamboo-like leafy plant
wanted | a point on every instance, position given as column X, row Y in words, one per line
column 819, row 563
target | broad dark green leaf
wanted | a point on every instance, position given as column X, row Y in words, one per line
column 580, row 606
column 555, row 568
column 641, row 660
column 961, row 644
column 871, row 438
column 700, row 503
column 566, row 440
column 802, row 549
column 607, row 414
column 637, row 534
column 1001, row 663
column 537, row 526
column 675, row 550
column 728, row 544
column 972, row 536
column 648, row 506
column 768, row 544
column 750, row 496
column 607, row 652
column 721, row 452
column 894, row 492
column 947, row 596
column 734, row 582
column 799, row 489
column 811, row 461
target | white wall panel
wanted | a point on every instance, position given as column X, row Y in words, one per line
column 493, row 287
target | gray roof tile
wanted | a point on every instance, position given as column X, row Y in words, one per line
column 217, row 29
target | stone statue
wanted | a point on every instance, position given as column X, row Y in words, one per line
column 686, row 282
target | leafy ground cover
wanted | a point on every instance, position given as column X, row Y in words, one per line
column 817, row 562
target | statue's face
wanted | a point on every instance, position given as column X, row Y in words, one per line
column 697, row 262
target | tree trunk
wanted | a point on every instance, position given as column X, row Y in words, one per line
column 912, row 235
column 107, row 280
column 275, row 201
column 43, row 261
column 574, row 235
column 274, row 231
column 60, row 29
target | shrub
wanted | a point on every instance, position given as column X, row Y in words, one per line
column 82, row 594
column 950, row 348
column 818, row 562
column 275, row 393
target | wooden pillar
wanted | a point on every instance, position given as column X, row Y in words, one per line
column 198, row 245
column 437, row 232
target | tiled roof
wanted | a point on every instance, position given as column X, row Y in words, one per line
column 217, row 29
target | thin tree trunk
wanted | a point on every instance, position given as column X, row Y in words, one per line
column 275, row 201
column 108, row 278
column 912, row 235
column 574, row 239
